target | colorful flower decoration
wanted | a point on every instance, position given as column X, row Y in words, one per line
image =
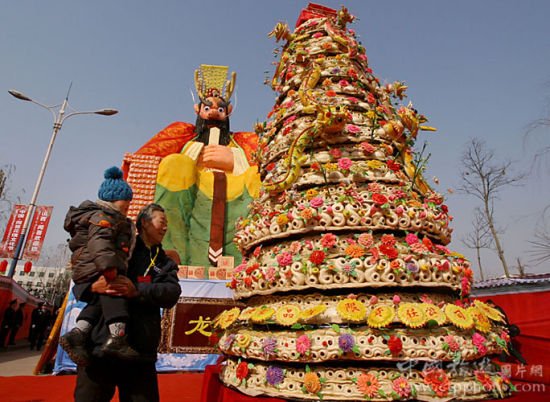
column 287, row 314
column 228, row 341
column 401, row 387
column 312, row 383
column 346, row 343
column 351, row 309
column 368, row 384
column 229, row 317
column 437, row 380
column 479, row 343
column 451, row 343
column 242, row 372
column 381, row 316
column 247, row 313
column 243, row 340
column 317, row 257
column 312, row 311
column 395, row 345
column 433, row 312
column 274, row 375
column 269, row 347
column 481, row 321
column 303, row 344
column 485, row 380
column 261, row 314
column 412, row 315
column 459, row 316
column 489, row 311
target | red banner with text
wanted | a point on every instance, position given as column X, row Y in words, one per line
column 13, row 231
column 37, row 233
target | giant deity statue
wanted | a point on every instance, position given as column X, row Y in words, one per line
column 206, row 177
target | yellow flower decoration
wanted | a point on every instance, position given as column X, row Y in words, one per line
column 351, row 309
column 262, row 314
column 375, row 164
column 282, row 220
column 481, row 321
column 457, row 255
column 434, row 313
column 381, row 316
column 414, row 203
column 229, row 317
column 312, row 311
column 412, row 315
column 288, row 314
column 243, row 340
column 247, row 313
column 459, row 316
column 311, row 193
column 489, row 311
column 331, row 167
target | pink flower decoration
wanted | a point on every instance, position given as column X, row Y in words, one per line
column 373, row 300
column 419, row 248
column 239, row 268
column 452, row 342
column 401, row 387
column 411, row 239
column 328, row 240
column 365, row 239
column 374, row 187
column 368, row 148
column 316, row 202
column 289, row 120
column 295, row 247
column 399, row 210
column 343, row 83
column 352, row 128
column 335, row 153
column 396, row 299
column 270, row 274
column 479, row 342
column 344, row 163
column 303, row 344
column 317, row 35
column 284, row 259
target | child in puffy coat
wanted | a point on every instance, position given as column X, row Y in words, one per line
column 101, row 241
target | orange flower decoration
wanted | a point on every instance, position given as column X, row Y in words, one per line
column 368, row 384
column 312, row 383
column 438, row 381
column 355, row 251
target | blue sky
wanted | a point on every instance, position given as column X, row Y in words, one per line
column 474, row 68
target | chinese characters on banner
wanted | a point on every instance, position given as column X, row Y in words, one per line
column 187, row 326
column 37, row 232
column 13, row 231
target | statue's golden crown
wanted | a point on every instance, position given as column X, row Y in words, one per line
column 210, row 81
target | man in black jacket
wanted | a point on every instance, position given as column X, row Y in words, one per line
column 151, row 284
column 7, row 322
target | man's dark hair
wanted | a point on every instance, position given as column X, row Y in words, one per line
column 147, row 214
column 202, row 130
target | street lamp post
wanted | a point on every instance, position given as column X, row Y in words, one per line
column 59, row 119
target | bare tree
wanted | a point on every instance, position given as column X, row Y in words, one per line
column 540, row 157
column 7, row 198
column 540, row 246
column 483, row 177
column 480, row 237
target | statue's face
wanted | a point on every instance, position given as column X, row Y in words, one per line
column 212, row 109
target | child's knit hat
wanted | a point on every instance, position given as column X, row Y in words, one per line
column 114, row 187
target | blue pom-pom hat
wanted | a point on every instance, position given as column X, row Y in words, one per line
column 114, row 187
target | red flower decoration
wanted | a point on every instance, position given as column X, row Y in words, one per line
column 393, row 165
column 270, row 167
column 428, row 243
column 395, row 345
column 371, row 98
column 438, row 381
column 330, row 93
column 389, row 251
column 317, row 257
column 242, row 370
column 485, row 380
column 213, row 339
column 248, row 282
column 379, row 199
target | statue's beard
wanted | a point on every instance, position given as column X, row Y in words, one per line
column 201, row 128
